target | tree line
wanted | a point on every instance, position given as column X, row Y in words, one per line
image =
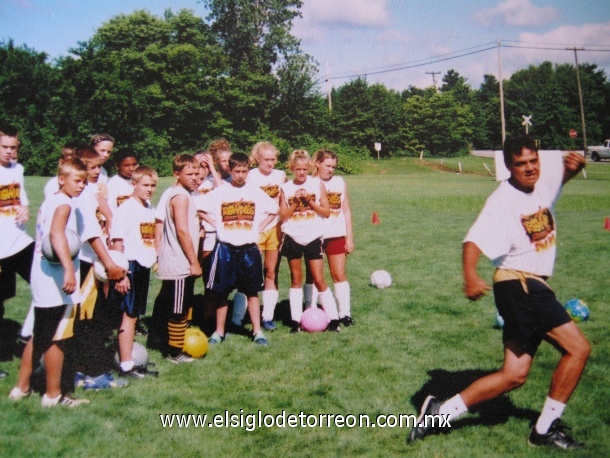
column 164, row 85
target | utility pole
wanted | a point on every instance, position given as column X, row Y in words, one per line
column 502, row 119
column 433, row 78
column 582, row 107
column 329, row 90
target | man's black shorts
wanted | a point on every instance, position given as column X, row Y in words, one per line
column 293, row 250
column 528, row 316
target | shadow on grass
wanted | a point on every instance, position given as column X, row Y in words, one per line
column 445, row 384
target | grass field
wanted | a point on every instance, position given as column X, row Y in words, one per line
column 417, row 336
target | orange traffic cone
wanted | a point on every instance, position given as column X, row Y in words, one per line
column 375, row 218
column 607, row 224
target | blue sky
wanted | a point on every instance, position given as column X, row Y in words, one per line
column 370, row 37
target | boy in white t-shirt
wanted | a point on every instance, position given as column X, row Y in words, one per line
column 17, row 247
column 240, row 213
column 54, row 289
column 134, row 234
column 103, row 144
column 517, row 231
column 120, row 186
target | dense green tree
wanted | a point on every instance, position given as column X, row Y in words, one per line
column 487, row 128
column 458, row 86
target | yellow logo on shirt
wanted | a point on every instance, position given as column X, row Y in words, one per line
column 540, row 228
column 10, row 197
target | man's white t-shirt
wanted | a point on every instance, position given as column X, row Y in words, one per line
column 517, row 230
column 119, row 190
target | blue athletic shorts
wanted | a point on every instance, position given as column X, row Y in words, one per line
column 235, row 267
column 134, row 302
column 528, row 316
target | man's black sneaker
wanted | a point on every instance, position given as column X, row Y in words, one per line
column 425, row 425
column 556, row 436
column 347, row 321
column 334, row 325
column 136, row 373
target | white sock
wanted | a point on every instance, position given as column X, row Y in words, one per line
column 454, row 407
column 240, row 306
column 550, row 411
column 126, row 366
column 47, row 401
column 295, row 295
column 343, row 295
column 328, row 304
column 270, row 297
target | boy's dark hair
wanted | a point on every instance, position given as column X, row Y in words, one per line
column 124, row 154
column 182, row 160
column 98, row 138
column 238, row 159
column 513, row 146
column 9, row 130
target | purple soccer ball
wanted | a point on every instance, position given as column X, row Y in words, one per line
column 314, row 319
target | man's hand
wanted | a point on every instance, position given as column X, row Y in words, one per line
column 123, row 286
column 115, row 272
column 196, row 269
column 23, row 214
column 475, row 288
column 69, row 284
column 572, row 164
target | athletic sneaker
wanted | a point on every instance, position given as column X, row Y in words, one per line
column 66, row 400
column 556, row 436
column 422, row 427
column 180, row 359
column 347, row 321
column 79, row 380
column 216, row 339
column 17, row 395
column 268, row 325
column 260, row 339
column 136, row 373
column 295, row 329
column 104, row 381
column 334, row 325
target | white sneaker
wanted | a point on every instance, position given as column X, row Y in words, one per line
column 60, row 400
column 50, row 402
column 17, row 395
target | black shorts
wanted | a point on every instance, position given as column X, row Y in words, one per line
column 46, row 321
column 235, row 267
column 293, row 250
column 134, row 302
column 176, row 296
column 19, row 263
column 528, row 316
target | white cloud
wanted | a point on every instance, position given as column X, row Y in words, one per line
column 520, row 13
column 361, row 13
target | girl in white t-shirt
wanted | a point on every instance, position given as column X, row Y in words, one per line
column 338, row 234
column 303, row 204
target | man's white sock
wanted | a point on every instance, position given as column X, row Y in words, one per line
column 270, row 297
column 295, row 295
column 550, row 411
column 454, row 407
column 343, row 295
column 328, row 304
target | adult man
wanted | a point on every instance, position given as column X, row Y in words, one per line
column 516, row 230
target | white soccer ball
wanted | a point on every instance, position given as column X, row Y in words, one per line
column 100, row 271
column 49, row 253
column 381, row 279
column 139, row 353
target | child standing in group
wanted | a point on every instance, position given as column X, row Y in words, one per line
column 52, row 186
column 266, row 177
column 303, row 202
column 120, row 186
column 134, row 234
column 338, row 233
column 103, row 144
column 240, row 213
column 17, row 247
column 54, row 287
column 178, row 262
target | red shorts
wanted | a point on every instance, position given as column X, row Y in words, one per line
column 335, row 245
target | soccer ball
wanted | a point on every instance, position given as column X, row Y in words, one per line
column 139, row 354
column 499, row 321
column 577, row 309
column 73, row 245
column 314, row 319
column 381, row 279
column 100, row 271
column 195, row 343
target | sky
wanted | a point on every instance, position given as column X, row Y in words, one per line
column 398, row 43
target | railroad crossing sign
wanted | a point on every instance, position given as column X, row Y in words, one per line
column 527, row 121
column 573, row 133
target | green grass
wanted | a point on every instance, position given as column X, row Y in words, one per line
column 419, row 334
